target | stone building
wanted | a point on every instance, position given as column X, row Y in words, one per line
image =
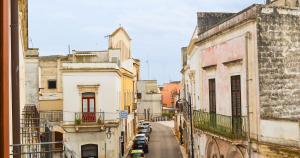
column 241, row 73
column 149, row 100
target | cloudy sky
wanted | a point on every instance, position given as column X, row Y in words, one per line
column 158, row 28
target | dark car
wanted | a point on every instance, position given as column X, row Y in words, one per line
column 140, row 144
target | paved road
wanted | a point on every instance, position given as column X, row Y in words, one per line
column 163, row 143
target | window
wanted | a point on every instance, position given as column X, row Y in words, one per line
column 236, row 104
column 236, row 95
column 51, row 84
column 212, row 102
column 212, row 95
column 139, row 95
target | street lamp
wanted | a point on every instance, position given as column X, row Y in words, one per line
column 191, row 124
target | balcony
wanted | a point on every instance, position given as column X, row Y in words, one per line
column 89, row 118
column 51, row 116
column 233, row 128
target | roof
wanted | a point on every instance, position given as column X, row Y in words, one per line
column 236, row 19
column 120, row 29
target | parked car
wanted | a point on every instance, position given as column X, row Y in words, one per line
column 146, row 132
column 141, row 137
column 148, row 125
column 144, row 127
column 141, row 122
column 136, row 154
column 140, row 144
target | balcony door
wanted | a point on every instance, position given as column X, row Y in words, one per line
column 212, row 102
column 236, row 103
column 88, row 107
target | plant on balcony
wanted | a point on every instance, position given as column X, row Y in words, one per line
column 77, row 121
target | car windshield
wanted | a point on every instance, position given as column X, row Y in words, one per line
column 139, row 142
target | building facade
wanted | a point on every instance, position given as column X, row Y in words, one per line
column 169, row 95
column 86, row 91
column 240, row 72
column 149, row 100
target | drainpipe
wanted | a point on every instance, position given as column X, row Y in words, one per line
column 15, row 74
column 247, row 38
column 4, row 79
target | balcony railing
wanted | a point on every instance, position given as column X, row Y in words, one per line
column 226, row 126
column 52, row 116
column 37, row 150
column 89, row 117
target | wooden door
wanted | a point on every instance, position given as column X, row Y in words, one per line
column 88, row 107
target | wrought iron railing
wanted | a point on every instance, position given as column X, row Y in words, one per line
column 226, row 126
column 89, row 117
column 37, row 150
column 52, row 116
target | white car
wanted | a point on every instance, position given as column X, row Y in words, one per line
column 141, row 136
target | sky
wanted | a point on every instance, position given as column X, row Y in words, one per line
column 158, row 28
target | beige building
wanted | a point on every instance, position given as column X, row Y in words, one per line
column 149, row 100
column 240, row 73
column 85, row 91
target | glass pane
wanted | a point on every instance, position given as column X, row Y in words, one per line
column 84, row 105
column 92, row 105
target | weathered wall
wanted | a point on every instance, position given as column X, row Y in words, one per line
column 32, row 80
column 151, row 97
column 206, row 20
column 279, row 62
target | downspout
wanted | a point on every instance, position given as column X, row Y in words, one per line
column 4, row 79
column 15, row 74
column 247, row 38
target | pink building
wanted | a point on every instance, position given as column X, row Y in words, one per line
column 242, row 73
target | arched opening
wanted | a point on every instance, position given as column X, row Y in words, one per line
column 235, row 152
column 212, row 150
column 89, row 151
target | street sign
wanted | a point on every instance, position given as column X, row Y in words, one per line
column 124, row 114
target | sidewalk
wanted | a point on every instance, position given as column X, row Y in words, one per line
column 171, row 125
column 127, row 148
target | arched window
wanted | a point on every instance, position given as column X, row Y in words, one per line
column 89, row 151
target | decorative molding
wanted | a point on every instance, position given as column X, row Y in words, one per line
column 231, row 62
column 88, row 88
column 214, row 66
